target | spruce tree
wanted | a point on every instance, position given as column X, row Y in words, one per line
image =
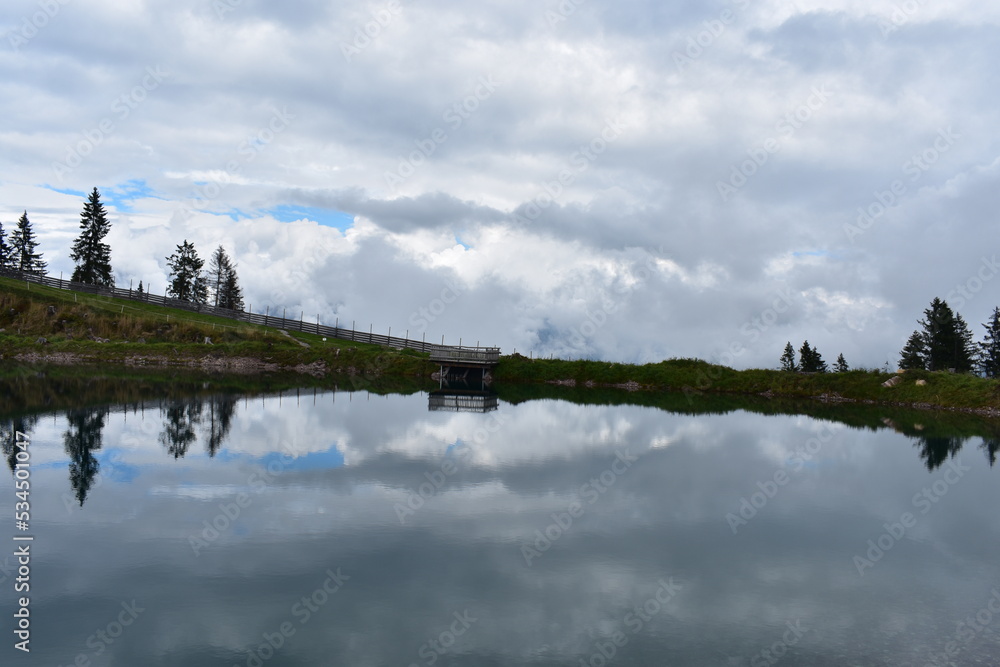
column 947, row 339
column 23, row 245
column 6, row 252
column 788, row 359
column 841, row 365
column 232, row 292
column 966, row 351
column 91, row 254
column 989, row 349
column 187, row 282
column 810, row 359
column 914, row 353
column 223, row 282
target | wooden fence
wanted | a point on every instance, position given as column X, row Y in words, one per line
column 443, row 352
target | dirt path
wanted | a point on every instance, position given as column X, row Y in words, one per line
column 303, row 344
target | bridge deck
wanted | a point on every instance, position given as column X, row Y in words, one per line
column 472, row 356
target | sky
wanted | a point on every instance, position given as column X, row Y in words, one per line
column 627, row 181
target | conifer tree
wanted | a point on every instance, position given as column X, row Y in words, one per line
column 187, row 282
column 914, row 353
column 23, row 245
column 6, row 251
column 139, row 291
column 810, row 359
column 788, row 359
column 947, row 339
column 966, row 353
column 91, row 254
column 232, row 292
column 223, row 281
column 841, row 365
column 989, row 349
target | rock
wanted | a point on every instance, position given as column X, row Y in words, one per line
column 141, row 340
column 42, row 341
column 921, row 383
column 892, row 382
column 52, row 310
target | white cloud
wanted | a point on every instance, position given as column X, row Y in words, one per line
column 647, row 200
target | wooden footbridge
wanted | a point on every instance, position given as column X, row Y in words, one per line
column 455, row 361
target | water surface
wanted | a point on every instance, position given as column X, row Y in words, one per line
column 335, row 528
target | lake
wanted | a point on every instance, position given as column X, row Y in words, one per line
column 180, row 523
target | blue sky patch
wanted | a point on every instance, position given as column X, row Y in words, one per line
column 324, row 216
column 66, row 191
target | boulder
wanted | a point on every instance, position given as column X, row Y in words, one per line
column 892, row 382
column 921, row 383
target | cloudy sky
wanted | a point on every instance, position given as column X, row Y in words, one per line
column 628, row 180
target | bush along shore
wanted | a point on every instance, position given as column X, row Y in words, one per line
column 42, row 325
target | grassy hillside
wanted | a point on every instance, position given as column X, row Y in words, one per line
column 46, row 323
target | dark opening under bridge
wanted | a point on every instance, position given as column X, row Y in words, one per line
column 454, row 360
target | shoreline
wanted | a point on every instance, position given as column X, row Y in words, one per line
column 319, row 369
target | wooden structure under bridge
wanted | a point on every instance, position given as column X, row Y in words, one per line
column 465, row 363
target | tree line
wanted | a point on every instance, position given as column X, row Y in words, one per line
column 810, row 360
column 943, row 342
column 92, row 260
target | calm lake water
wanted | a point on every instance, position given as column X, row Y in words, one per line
column 337, row 528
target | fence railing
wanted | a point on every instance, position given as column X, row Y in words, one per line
column 454, row 353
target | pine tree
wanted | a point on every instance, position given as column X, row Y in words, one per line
column 232, row 292
column 6, row 251
column 788, row 359
column 989, row 349
column 966, row 352
column 187, row 283
column 841, row 365
column 914, row 353
column 140, row 292
column 91, row 254
column 223, row 281
column 23, row 244
column 810, row 359
column 947, row 339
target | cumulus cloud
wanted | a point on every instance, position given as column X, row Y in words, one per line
column 625, row 181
